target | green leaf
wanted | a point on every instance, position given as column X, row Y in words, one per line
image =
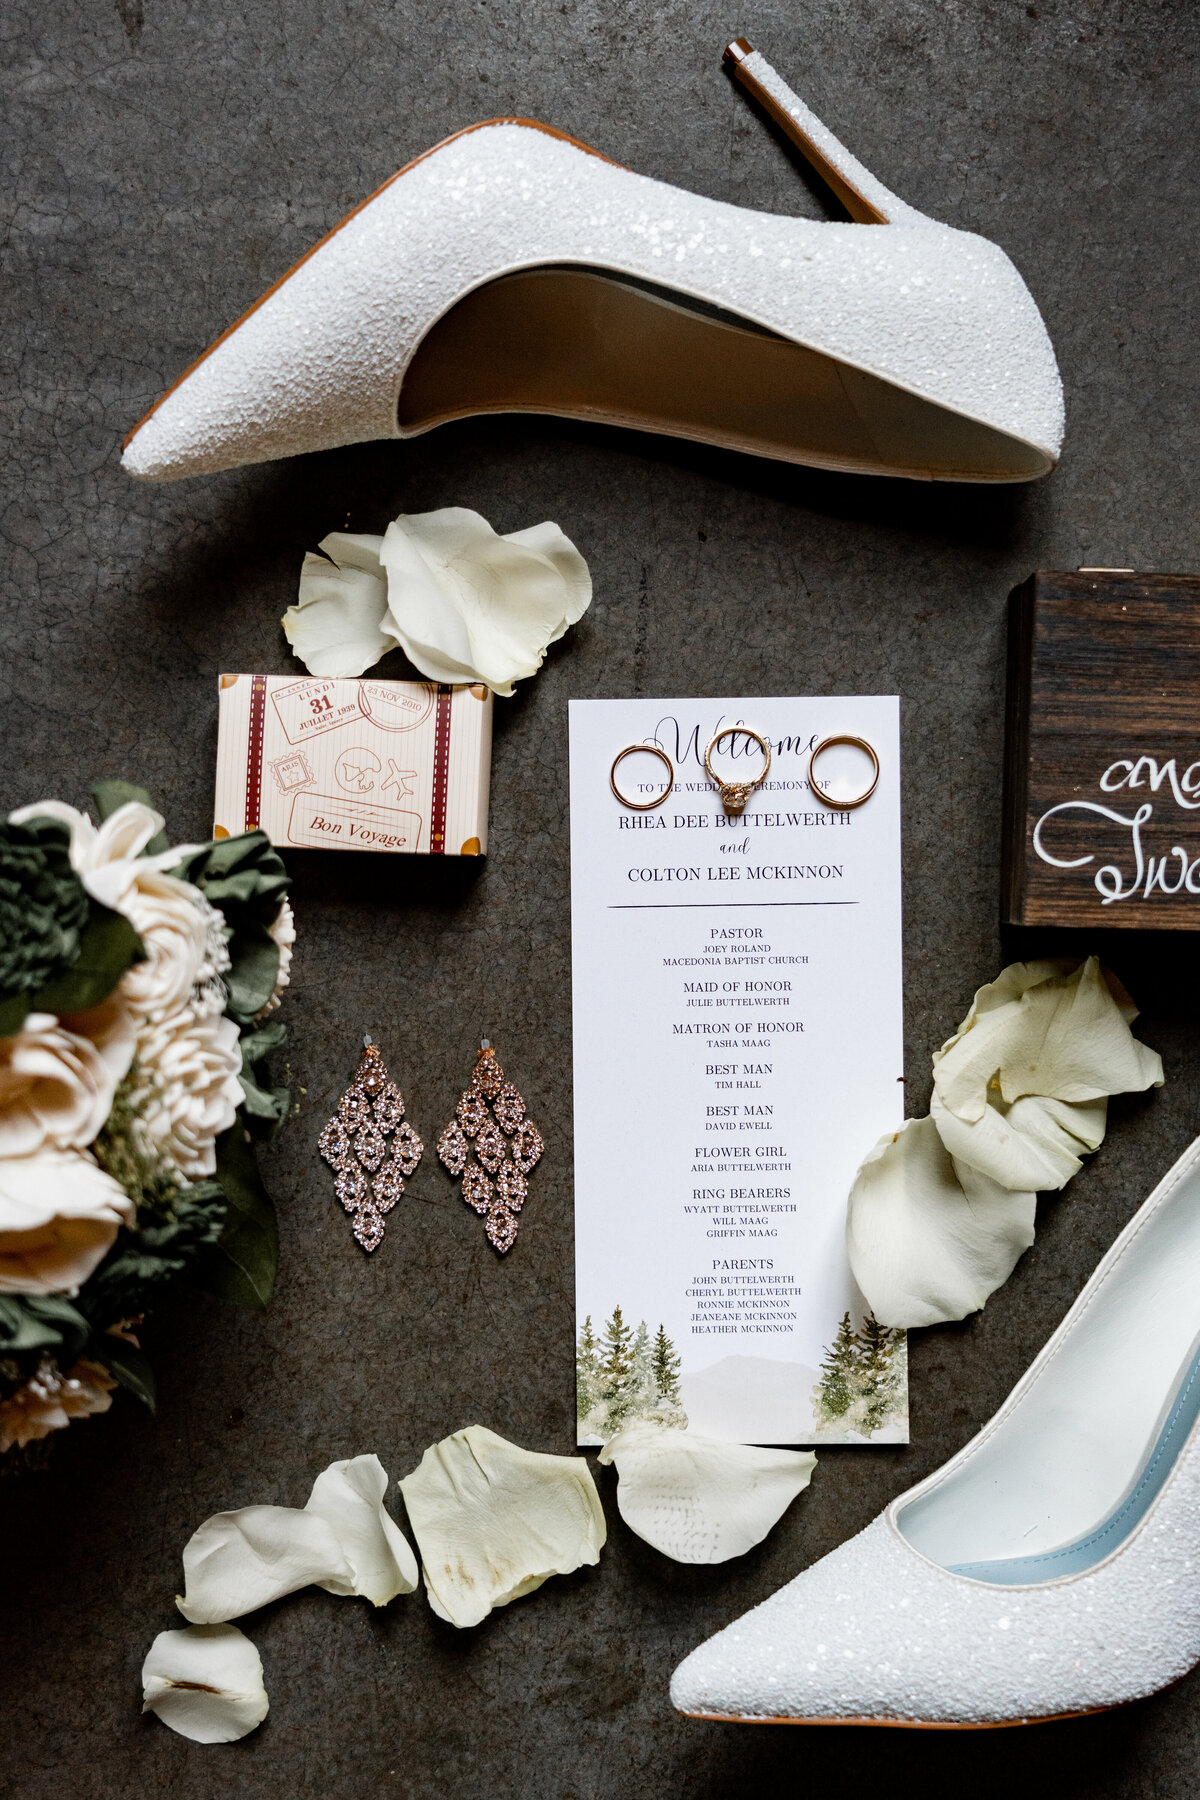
column 265, row 1107
column 109, row 795
column 128, row 1365
column 145, row 1261
column 253, row 971
column 107, row 948
column 41, row 1322
column 244, row 878
column 241, row 1267
column 12, row 1014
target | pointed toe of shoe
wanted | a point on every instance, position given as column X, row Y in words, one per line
column 149, row 454
column 807, row 1653
column 722, row 1680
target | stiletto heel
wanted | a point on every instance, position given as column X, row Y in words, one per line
column 511, row 269
column 866, row 200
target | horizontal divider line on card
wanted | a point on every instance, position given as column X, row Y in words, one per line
column 721, row 905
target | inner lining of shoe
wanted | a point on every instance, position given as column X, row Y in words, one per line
column 1094, row 1546
column 1073, row 1465
column 620, row 351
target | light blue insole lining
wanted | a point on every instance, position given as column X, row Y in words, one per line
column 1070, row 1559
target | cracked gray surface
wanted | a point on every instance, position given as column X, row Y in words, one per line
column 163, row 163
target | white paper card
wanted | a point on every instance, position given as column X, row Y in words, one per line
column 738, row 1051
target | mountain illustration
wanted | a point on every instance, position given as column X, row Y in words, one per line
column 751, row 1399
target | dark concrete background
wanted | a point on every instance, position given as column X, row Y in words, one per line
column 163, row 163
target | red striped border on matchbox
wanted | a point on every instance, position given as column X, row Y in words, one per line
column 258, row 719
column 441, row 770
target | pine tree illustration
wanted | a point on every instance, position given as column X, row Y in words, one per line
column 587, row 1371
column 834, row 1394
column 880, row 1372
column 616, row 1366
column 666, row 1366
column 643, row 1389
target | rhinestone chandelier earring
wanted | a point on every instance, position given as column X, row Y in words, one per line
column 490, row 1119
column 368, row 1123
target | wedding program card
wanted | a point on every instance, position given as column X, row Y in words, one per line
column 738, row 1050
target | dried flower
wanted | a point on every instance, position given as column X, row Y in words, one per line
column 282, row 932
column 49, row 1400
column 188, row 1067
column 56, row 1085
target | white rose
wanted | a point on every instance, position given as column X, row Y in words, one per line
column 59, row 1215
column 282, row 933
column 189, row 1065
column 108, row 858
column 171, row 917
column 57, row 1084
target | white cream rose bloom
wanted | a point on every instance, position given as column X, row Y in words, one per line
column 189, row 1092
column 170, row 916
column 57, row 1084
column 59, row 1216
column 282, row 932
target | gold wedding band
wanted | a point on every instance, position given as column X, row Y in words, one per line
column 632, row 750
column 856, row 743
column 734, row 794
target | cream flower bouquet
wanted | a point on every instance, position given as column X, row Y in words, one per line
column 136, row 987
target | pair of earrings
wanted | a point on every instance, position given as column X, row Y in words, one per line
column 371, row 1148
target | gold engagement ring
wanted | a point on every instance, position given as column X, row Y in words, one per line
column 734, row 794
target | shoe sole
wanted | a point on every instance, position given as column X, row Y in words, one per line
column 908, row 1724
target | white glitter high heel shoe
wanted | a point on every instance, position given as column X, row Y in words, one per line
column 1051, row 1568
column 511, row 269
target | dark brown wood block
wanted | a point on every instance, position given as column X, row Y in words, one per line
column 1102, row 768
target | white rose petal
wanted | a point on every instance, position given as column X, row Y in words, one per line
column 697, row 1499
column 1043, row 1028
column 238, row 1561
column 205, row 1682
column 349, row 1497
column 493, row 1521
column 59, row 1216
column 56, row 1085
column 337, row 624
column 930, row 1239
column 342, row 1540
column 464, row 603
column 1034, row 1144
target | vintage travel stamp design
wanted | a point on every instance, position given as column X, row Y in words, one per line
column 321, row 821
column 291, row 771
column 308, row 708
column 386, row 766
